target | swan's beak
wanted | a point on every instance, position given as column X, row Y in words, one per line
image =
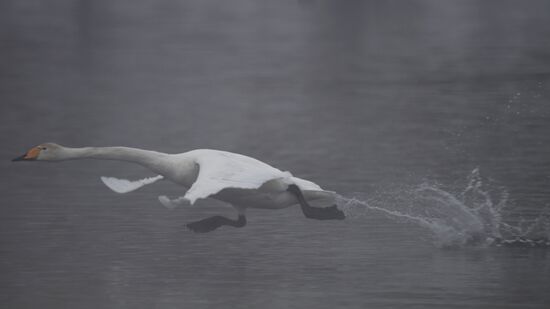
column 20, row 158
column 31, row 155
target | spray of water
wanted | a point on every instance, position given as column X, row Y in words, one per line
column 472, row 217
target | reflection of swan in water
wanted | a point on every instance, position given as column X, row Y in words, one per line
column 239, row 180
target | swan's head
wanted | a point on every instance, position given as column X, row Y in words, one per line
column 43, row 152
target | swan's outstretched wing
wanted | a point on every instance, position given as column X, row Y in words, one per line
column 221, row 170
column 171, row 204
column 125, row 186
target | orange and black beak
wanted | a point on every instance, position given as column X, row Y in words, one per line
column 31, row 155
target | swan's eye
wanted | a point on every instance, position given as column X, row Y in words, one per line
column 43, row 148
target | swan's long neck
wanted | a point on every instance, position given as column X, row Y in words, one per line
column 147, row 158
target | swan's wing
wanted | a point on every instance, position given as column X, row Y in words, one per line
column 218, row 171
column 171, row 204
column 306, row 184
column 125, row 186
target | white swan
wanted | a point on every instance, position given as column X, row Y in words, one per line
column 241, row 181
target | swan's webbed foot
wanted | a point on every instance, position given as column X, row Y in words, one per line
column 328, row 213
column 212, row 223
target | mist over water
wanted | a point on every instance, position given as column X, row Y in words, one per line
column 430, row 118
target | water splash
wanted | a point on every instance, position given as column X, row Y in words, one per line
column 472, row 217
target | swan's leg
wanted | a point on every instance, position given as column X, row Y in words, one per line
column 212, row 223
column 327, row 213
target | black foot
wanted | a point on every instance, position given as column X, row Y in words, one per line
column 328, row 213
column 212, row 223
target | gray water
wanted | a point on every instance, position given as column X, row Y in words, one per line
column 428, row 117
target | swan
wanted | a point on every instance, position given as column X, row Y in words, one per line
column 239, row 180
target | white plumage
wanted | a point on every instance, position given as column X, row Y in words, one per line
column 246, row 180
column 125, row 186
column 220, row 170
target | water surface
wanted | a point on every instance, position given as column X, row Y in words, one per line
column 371, row 99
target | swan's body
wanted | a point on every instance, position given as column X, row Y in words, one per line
column 233, row 178
column 239, row 180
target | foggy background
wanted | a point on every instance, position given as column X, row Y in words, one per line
column 357, row 96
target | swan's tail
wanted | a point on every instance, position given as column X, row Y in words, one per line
column 320, row 198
